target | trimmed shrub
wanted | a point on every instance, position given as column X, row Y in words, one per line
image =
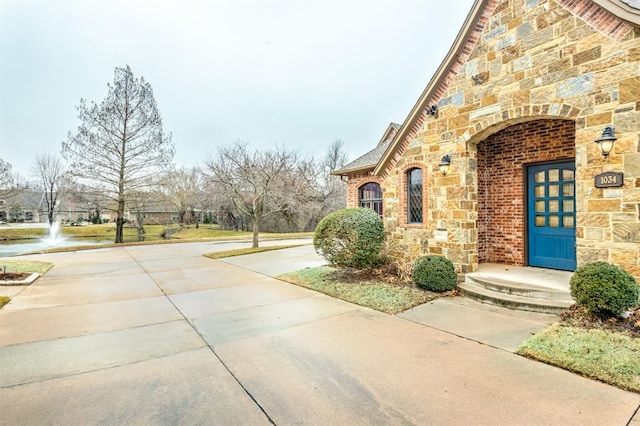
column 350, row 237
column 604, row 289
column 434, row 273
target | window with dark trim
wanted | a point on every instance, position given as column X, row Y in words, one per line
column 370, row 196
column 414, row 196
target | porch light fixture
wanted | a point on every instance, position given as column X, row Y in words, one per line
column 605, row 142
column 444, row 164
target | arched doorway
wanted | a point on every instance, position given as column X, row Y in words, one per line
column 518, row 216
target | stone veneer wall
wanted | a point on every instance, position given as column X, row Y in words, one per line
column 501, row 192
column 533, row 59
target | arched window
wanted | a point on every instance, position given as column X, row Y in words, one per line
column 414, row 195
column 370, row 196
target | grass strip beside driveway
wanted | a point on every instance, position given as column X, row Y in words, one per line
column 250, row 250
column 20, row 266
column 25, row 266
column 371, row 293
column 610, row 357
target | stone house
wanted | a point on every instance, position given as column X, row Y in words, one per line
column 497, row 162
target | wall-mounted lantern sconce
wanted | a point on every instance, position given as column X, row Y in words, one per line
column 605, row 142
column 431, row 110
column 444, row 164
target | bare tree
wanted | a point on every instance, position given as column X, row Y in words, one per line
column 12, row 181
column 49, row 170
column 5, row 176
column 334, row 190
column 318, row 191
column 182, row 188
column 336, row 157
column 120, row 143
column 138, row 203
column 256, row 182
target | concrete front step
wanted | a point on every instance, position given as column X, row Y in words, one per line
column 518, row 287
column 513, row 301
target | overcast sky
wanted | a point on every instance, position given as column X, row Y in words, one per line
column 300, row 73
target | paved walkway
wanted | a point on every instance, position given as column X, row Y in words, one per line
column 162, row 335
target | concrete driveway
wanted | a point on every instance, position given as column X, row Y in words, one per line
column 161, row 335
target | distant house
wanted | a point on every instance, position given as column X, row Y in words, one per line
column 500, row 159
column 22, row 206
column 74, row 207
column 156, row 212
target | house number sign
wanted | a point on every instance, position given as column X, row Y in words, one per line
column 609, row 179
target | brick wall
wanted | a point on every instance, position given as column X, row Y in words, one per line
column 356, row 180
column 501, row 202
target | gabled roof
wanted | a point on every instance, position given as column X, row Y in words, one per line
column 465, row 42
column 462, row 47
column 366, row 162
column 627, row 10
column 369, row 160
column 388, row 134
column 27, row 200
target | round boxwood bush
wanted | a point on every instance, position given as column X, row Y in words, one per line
column 604, row 289
column 434, row 273
column 350, row 237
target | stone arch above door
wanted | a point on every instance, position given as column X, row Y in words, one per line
column 488, row 122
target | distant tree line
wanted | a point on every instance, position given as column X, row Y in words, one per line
column 120, row 161
column 274, row 190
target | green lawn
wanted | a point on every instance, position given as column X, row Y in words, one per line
column 371, row 293
column 607, row 356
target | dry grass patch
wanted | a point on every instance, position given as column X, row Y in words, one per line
column 212, row 232
column 207, row 232
column 105, row 231
column 8, row 233
column 366, row 289
column 19, row 266
column 608, row 356
column 243, row 251
column 25, row 266
column 108, row 231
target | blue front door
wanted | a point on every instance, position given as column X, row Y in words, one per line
column 552, row 216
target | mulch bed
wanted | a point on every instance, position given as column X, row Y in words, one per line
column 13, row 276
column 577, row 316
column 387, row 274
